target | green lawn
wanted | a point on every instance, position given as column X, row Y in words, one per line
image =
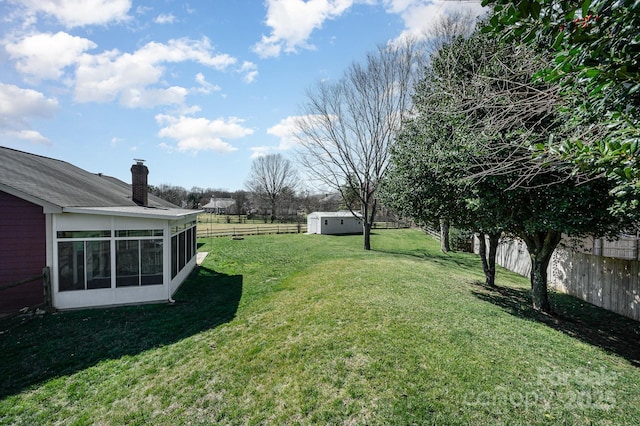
column 310, row 329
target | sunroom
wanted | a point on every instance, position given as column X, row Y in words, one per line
column 116, row 256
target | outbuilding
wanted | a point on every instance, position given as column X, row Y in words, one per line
column 333, row 223
column 104, row 242
column 219, row 206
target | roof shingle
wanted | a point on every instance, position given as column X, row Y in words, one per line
column 62, row 184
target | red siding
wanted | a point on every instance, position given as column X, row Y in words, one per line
column 22, row 252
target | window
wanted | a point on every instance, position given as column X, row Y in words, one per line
column 341, row 221
column 84, row 265
column 174, row 256
column 84, row 258
column 127, row 263
column 326, row 222
column 140, row 233
column 183, row 246
column 83, row 234
column 138, row 262
column 151, row 262
column 182, row 251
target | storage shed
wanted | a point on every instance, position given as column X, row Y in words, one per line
column 104, row 241
column 333, row 223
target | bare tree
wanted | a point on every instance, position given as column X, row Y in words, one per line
column 270, row 177
column 240, row 198
column 347, row 127
column 457, row 23
column 174, row 194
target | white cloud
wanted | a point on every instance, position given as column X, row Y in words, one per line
column 165, row 18
column 285, row 130
column 205, row 86
column 78, row 13
column 201, row 134
column 250, row 71
column 46, row 55
column 420, row 15
column 143, row 10
column 17, row 106
column 293, row 21
column 25, row 135
column 112, row 75
column 17, row 103
column 184, row 49
column 260, row 151
column 115, row 141
column 149, row 98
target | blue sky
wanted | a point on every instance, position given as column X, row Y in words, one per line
column 197, row 89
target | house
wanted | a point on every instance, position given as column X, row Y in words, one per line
column 104, row 242
column 219, row 205
column 333, row 223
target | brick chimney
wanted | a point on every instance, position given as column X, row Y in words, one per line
column 139, row 173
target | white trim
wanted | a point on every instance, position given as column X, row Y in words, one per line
column 135, row 211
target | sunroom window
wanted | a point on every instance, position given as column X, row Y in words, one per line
column 139, row 261
column 84, row 265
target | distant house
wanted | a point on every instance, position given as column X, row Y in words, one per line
column 219, row 205
column 333, row 223
column 104, row 241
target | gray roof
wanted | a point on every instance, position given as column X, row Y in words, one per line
column 55, row 183
column 219, row 203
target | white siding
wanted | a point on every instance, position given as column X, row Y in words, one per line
column 333, row 223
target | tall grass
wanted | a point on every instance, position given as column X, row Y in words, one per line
column 307, row 329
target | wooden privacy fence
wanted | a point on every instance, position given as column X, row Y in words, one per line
column 610, row 283
column 238, row 231
column 607, row 282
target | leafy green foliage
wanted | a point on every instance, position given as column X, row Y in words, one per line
column 596, row 45
column 469, row 153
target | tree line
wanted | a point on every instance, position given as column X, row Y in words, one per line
column 273, row 192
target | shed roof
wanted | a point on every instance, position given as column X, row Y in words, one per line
column 341, row 214
column 58, row 184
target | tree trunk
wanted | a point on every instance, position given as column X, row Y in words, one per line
column 445, row 245
column 541, row 246
column 489, row 257
column 273, row 210
column 368, row 216
column 494, row 239
column 482, row 252
column 367, row 235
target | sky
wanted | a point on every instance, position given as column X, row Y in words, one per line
column 196, row 89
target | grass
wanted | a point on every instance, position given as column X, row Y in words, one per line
column 307, row 329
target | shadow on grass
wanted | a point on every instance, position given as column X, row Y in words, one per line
column 36, row 349
column 463, row 260
column 593, row 325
